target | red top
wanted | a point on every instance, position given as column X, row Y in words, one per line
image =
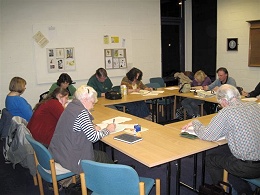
column 44, row 120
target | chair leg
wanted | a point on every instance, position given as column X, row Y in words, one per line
column 40, row 183
column 35, row 180
column 74, row 179
column 141, row 188
column 83, row 184
column 158, row 187
column 225, row 179
column 184, row 114
column 54, row 178
column 201, row 109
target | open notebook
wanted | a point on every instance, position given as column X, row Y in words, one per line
column 189, row 133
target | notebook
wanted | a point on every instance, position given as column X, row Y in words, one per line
column 130, row 139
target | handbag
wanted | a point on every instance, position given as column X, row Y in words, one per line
column 215, row 189
column 185, row 88
column 113, row 95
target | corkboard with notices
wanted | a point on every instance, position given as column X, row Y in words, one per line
column 115, row 58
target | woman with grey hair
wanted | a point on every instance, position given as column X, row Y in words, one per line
column 75, row 132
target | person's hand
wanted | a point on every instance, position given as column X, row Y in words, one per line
column 111, row 127
column 97, row 128
column 244, row 93
column 187, row 126
column 137, row 90
column 102, row 94
column 215, row 89
column 205, row 88
column 150, row 89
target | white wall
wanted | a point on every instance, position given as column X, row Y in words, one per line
column 136, row 20
column 231, row 23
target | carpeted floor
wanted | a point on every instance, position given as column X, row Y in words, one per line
column 18, row 181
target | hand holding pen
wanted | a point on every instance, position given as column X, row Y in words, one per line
column 111, row 127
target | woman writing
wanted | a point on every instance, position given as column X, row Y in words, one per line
column 46, row 115
column 192, row 105
column 133, row 82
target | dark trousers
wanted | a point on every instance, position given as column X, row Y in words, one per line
column 139, row 109
column 216, row 163
column 102, row 157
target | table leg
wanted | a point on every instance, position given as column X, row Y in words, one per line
column 203, row 168
column 174, row 106
column 178, row 176
column 168, row 178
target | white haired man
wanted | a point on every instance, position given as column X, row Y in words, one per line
column 239, row 122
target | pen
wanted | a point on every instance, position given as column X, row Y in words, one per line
column 113, row 121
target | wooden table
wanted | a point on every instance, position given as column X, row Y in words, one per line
column 160, row 144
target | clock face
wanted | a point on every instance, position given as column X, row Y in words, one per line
column 232, row 44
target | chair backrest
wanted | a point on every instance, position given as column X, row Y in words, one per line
column 153, row 85
column 158, row 80
column 42, row 153
column 104, row 178
column 5, row 123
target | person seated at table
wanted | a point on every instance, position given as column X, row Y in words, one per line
column 14, row 103
column 64, row 82
column 254, row 93
column 192, row 105
column 46, row 115
column 75, row 132
column 239, row 122
column 223, row 78
column 133, row 82
column 100, row 82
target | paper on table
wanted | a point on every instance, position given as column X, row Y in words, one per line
column 171, row 88
column 191, row 131
column 128, row 128
column 252, row 99
column 118, row 119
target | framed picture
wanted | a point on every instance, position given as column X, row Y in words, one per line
column 232, row 44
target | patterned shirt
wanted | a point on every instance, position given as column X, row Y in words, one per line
column 84, row 123
column 240, row 124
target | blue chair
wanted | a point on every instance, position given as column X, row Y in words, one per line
column 255, row 181
column 47, row 168
column 158, row 80
column 102, row 178
column 160, row 102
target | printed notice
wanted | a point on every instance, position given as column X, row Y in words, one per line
column 40, row 39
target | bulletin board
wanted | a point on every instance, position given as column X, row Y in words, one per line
column 88, row 49
column 115, row 58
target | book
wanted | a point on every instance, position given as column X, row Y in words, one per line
column 130, row 139
column 190, row 133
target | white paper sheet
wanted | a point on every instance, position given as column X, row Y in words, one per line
column 118, row 119
column 171, row 88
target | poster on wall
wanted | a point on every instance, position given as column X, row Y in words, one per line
column 115, row 58
column 61, row 59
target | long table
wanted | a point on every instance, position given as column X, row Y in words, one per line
column 160, row 144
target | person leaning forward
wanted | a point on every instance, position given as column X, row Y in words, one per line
column 239, row 122
column 75, row 133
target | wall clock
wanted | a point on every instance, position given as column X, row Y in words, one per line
column 232, row 44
